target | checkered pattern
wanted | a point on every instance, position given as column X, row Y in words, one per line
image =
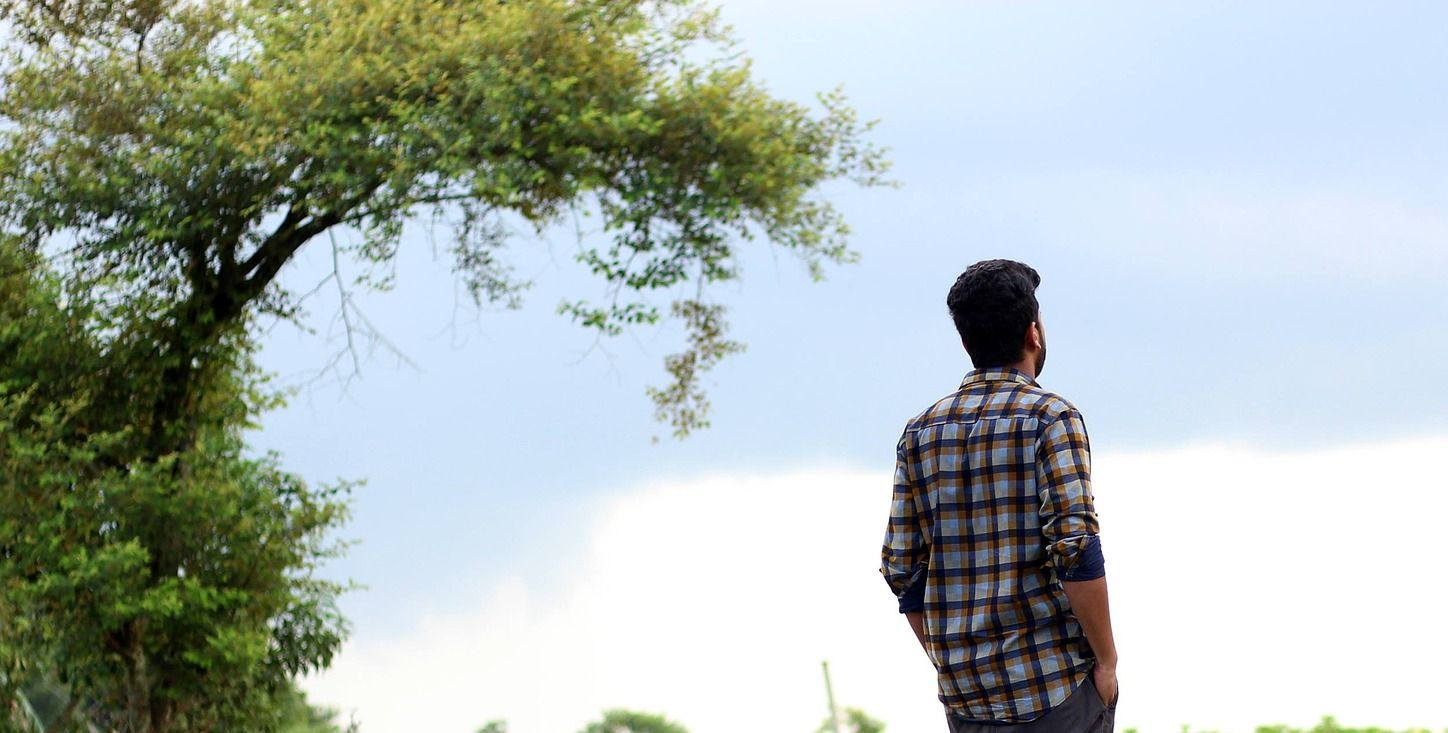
column 992, row 504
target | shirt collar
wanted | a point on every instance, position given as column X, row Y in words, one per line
column 998, row 374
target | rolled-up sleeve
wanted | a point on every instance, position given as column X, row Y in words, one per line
column 904, row 557
column 1068, row 513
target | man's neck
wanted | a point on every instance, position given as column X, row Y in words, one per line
column 1025, row 366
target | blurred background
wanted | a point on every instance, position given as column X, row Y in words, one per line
column 1238, row 212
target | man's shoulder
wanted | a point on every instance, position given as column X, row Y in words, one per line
column 1044, row 405
column 1016, row 399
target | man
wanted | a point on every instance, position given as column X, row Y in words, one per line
column 992, row 544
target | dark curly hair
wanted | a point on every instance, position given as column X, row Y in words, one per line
column 993, row 303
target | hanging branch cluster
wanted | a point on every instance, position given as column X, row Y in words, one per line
column 186, row 151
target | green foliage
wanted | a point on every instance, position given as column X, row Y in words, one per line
column 494, row 726
column 683, row 403
column 1327, row 725
column 297, row 716
column 169, row 158
column 1330, row 725
column 182, row 581
column 183, row 152
column 628, row 721
column 855, row 721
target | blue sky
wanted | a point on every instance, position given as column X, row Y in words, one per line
column 1237, row 210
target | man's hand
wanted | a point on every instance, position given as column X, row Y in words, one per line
column 917, row 624
column 1090, row 605
column 1105, row 681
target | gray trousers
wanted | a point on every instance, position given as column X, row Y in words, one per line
column 1083, row 712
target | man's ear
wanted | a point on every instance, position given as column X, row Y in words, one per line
column 1033, row 336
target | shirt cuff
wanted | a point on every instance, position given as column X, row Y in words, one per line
column 913, row 599
column 1089, row 565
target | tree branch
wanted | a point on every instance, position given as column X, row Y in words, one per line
column 196, row 270
column 345, row 300
column 294, row 231
column 269, row 258
column 274, row 242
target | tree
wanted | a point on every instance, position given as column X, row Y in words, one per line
column 628, row 721
column 182, row 153
column 1327, row 725
column 170, row 158
column 1330, row 725
column 298, row 716
column 143, row 592
column 856, row 721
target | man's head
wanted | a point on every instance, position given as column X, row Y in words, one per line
column 993, row 304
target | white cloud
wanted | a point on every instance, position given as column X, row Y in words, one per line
column 1247, row 588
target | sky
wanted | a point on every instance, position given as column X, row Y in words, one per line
column 1238, row 212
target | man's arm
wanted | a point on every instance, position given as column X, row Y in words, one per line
column 917, row 624
column 1092, row 609
column 1070, row 527
column 904, row 555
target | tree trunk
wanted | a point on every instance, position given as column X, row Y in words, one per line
column 138, row 679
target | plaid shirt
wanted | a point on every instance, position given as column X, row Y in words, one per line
column 992, row 505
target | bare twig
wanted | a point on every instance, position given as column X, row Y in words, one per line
column 345, row 299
